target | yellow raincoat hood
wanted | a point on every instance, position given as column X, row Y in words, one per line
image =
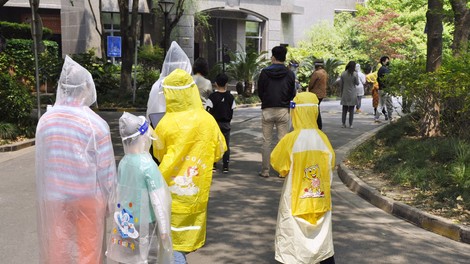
column 181, row 92
column 188, row 142
column 305, row 113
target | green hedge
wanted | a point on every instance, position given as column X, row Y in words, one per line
column 15, row 100
column 18, row 58
column 11, row 30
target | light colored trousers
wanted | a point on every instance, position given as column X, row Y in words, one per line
column 273, row 116
column 385, row 99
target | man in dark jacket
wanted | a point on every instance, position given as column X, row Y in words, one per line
column 385, row 99
column 276, row 88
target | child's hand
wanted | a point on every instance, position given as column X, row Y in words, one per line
column 166, row 241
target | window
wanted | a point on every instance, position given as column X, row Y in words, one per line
column 253, row 37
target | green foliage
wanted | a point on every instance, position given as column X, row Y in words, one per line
column 145, row 79
column 106, row 75
column 241, row 100
column 20, row 31
column 449, row 85
column 151, row 57
column 15, row 100
column 18, row 59
column 439, row 165
column 246, row 66
column 8, row 131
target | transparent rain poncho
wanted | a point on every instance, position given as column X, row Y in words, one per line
column 175, row 58
column 306, row 158
column 142, row 202
column 75, row 172
column 188, row 143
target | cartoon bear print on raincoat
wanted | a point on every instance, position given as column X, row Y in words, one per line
column 305, row 157
column 188, row 142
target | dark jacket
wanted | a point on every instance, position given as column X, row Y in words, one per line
column 276, row 86
column 380, row 77
column 221, row 106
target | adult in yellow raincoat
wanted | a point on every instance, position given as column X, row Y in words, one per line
column 305, row 157
column 188, row 143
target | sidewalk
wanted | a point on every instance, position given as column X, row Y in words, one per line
column 421, row 219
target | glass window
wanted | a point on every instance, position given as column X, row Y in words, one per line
column 253, row 37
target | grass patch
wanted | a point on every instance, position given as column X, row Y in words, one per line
column 437, row 167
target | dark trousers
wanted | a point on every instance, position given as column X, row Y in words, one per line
column 225, row 129
column 330, row 260
column 319, row 122
column 346, row 109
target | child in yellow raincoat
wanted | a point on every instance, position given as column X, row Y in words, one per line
column 188, row 143
column 305, row 157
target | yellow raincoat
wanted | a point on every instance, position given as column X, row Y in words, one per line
column 306, row 158
column 188, row 143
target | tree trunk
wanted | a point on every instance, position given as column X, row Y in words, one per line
column 430, row 122
column 462, row 26
column 248, row 88
column 128, row 38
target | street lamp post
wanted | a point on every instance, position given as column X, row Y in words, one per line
column 166, row 7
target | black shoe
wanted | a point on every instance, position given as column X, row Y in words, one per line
column 225, row 170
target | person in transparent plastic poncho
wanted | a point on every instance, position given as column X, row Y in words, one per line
column 175, row 58
column 188, row 142
column 75, row 172
column 305, row 157
column 142, row 201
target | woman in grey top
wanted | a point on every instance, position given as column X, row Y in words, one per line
column 347, row 84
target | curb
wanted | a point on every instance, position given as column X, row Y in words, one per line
column 18, row 146
column 435, row 224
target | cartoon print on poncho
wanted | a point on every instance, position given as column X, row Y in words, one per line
column 312, row 177
column 125, row 223
column 184, row 184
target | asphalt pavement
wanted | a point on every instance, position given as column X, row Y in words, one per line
column 242, row 208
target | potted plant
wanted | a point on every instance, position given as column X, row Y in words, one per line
column 245, row 68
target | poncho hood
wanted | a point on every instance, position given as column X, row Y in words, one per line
column 181, row 92
column 76, row 86
column 305, row 113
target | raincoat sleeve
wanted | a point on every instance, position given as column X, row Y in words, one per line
column 106, row 171
column 160, row 199
column 281, row 156
column 159, row 145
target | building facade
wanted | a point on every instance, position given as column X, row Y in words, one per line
column 249, row 25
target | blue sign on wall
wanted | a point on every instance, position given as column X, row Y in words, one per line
column 114, row 46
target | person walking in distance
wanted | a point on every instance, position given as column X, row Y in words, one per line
column 360, row 87
column 347, row 84
column 385, row 99
column 220, row 105
column 317, row 85
column 276, row 88
column 75, row 172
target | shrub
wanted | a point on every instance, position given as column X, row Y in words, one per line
column 150, row 57
column 106, row 76
column 8, row 131
column 15, row 100
column 20, row 31
column 18, row 60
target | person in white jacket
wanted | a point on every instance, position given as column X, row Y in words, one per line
column 142, row 200
column 360, row 87
column 305, row 157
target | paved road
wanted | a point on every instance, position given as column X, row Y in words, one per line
column 243, row 206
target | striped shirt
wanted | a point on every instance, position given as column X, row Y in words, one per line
column 74, row 154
